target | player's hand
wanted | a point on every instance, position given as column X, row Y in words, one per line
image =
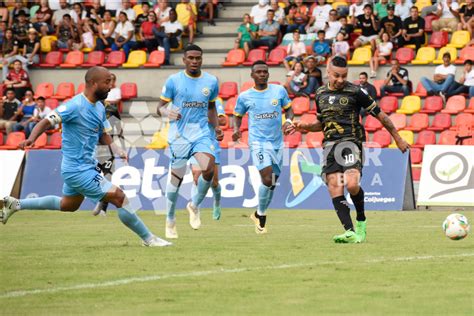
column 236, row 135
column 402, row 145
column 288, row 128
column 174, row 115
column 26, row 144
column 219, row 134
column 300, row 126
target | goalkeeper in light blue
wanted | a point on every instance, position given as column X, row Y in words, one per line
column 188, row 100
column 84, row 124
column 264, row 103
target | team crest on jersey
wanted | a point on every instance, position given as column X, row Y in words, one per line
column 274, row 102
column 205, row 91
column 343, row 101
column 331, row 99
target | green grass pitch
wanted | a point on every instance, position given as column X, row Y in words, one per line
column 55, row 263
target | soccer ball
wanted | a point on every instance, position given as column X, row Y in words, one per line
column 456, row 226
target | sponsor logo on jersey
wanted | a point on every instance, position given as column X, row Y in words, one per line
column 194, row 104
column 264, row 116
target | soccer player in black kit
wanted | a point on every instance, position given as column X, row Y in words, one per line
column 338, row 104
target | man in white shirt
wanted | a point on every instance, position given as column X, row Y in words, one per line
column 319, row 17
column 127, row 8
column 258, row 14
column 112, row 6
column 443, row 77
column 402, row 9
column 58, row 14
column 447, row 12
column 333, row 26
column 357, row 8
column 465, row 84
column 169, row 35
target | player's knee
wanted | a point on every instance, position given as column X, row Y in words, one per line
column 118, row 198
column 68, row 207
column 267, row 180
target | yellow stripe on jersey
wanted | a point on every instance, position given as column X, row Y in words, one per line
column 165, row 99
column 238, row 114
column 286, row 107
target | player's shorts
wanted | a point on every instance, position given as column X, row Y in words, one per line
column 342, row 156
column 88, row 183
column 217, row 156
column 265, row 155
column 182, row 150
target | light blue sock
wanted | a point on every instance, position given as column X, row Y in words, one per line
column 171, row 197
column 134, row 222
column 270, row 197
column 264, row 193
column 200, row 194
column 216, row 191
column 49, row 202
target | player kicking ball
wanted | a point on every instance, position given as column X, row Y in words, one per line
column 338, row 105
column 264, row 103
column 84, row 124
column 215, row 186
column 188, row 100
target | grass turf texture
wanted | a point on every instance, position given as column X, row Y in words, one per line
column 407, row 266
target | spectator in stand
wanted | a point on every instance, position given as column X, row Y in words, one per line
column 127, row 8
column 31, row 49
column 319, row 17
column 380, row 9
column 279, row 13
column 86, row 37
column 315, row 78
column 147, row 36
column 402, row 9
column 465, row 16
column 124, row 35
column 333, row 26
column 112, row 104
column 442, row 79
column 340, row 47
column 296, row 80
column 295, row 51
column 383, row 52
column 357, row 8
column 20, row 28
column 169, row 35
column 42, row 19
column 258, row 14
column 112, row 6
column 78, row 14
column 392, row 25
column 25, row 112
column 4, row 13
column 465, row 84
column 413, row 29
column 321, row 49
column 364, row 84
column 206, row 10
column 40, row 112
column 17, row 79
column 8, row 110
column 346, row 28
column 245, row 34
column 162, row 11
column 10, row 52
column 65, row 32
column 447, row 12
column 95, row 14
column 268, row 32
column 19, row 7
column 3, row 28
column 106, row 32
column 143, row 17
column 300, row 18
column 54, row 4
column 59, row 13
column 187, row 15
column 398, row 77
column 369, row 25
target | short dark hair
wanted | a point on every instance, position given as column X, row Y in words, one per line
column 67, row 15
column 363, row 73
column 258, row 62
column 271, row 10
column 16, row 61
column 414, row 7
column 468, row 62
column 321, row 31
column 192, row 47
column 339, row 61
column 447, row 55
column 8, row 90
column 368, row 6
column 40, row 98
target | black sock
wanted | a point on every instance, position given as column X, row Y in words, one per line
column 343, row 212
column 261, row 219
column 358, row 201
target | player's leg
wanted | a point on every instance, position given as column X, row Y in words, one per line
column 175, row 178
column 352, row 182
column 216, row 192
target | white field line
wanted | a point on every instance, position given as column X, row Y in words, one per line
column 151, row 278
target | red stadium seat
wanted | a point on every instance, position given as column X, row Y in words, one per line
column 45, row 90
column 13, row 140
column 234, row 58
column 81, row 88
column 438, row 39
column 428, row 22
column 300, row 105
column 73, row 59
column 94, row 58
column 465, row 54
column 314, row 139
column 425, row 138
column 230, row 106
column 1, row 138
column 381, row 139
column 129, row 90
column 455, row 104
column 254, row 55
column 245, row 123
column 418, row 122
column 246, row 85
column 155, row 60
column 228, row 89
column 433, row 104
column 51, row 103
column 416, row 155
column 227, row 139
column 40, row 141
column 416, row 173
column 55, row 141
column 378, row 84
column 470, row 108
column 447, row 138
column 64, row 90
column 420, row 91
column 404, row 55
column 308, row 118
column 53, row 59
column 276, row 56
column 389, row 104
column 115, row 59
column 372, row 124
column 399, row 120
column 465, row 119
column 293, row 140
column 441, row 121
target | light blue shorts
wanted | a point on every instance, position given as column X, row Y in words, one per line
column 265, row 155
column 217, row 156
column 88, row 183
column 182, row 150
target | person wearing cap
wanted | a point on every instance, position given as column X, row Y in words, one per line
column 31, row 48
column 392, row 25
column 380, row 9
column 20, row 28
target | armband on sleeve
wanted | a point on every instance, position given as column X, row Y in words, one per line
column 54, row 118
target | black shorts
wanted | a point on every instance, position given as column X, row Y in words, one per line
column 342, row 156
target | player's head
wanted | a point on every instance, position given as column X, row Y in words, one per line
column 337, row 72
column 98, row 82
column 192, row 59
column 260, row 73
column 363, row 78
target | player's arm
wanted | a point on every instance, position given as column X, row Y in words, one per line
column 106, row 139
column 167, row 95
column 315, row 126
column 40, row 128
column 239, row 112
column 214, row 120
column 387, row 123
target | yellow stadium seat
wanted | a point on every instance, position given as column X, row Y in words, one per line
column 136, row 59
column 424, row 56
column 361, row 56
column 410, row 104
column 180, row 47
column 406, row 135
column 451, row 50
column 338, row 4
column 46, row 43
column 420, row 4
column 138, row 9
column 459, row 39
column 160, row 139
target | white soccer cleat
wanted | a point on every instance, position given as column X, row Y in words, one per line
column 171, row 232
column 194, row 216
column 156, row 242
column 10, row 206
